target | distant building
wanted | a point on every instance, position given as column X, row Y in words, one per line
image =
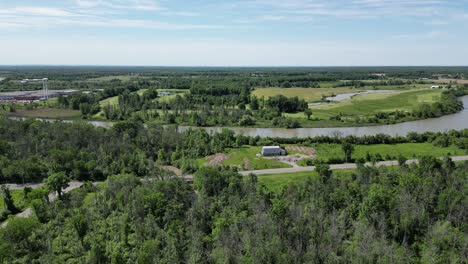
column 273, row 151
column 34, row 95
column 435, row 87
column 381, row 75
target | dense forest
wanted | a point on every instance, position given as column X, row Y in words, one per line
column 409, row 214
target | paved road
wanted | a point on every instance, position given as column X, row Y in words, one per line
column 337, row 167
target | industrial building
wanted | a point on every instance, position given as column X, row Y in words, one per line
column 37, row 95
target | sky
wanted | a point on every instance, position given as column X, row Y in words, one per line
column 234, row 32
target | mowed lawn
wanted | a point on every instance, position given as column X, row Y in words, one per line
column 408, row 150
column 308, row 94
column 245, row 158
column 370, row 104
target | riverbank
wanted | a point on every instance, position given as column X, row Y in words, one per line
column 456, row 121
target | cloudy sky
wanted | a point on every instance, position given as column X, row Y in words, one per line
column 234, row 32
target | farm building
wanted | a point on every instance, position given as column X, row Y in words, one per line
column 273, row 151
column 435, row 87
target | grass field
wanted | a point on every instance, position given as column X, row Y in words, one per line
column 308, row 94
column 368, row 104
column 409, row 150
column 246, row 159
column 47, row 113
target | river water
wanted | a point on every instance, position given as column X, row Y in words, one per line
column 456, row 121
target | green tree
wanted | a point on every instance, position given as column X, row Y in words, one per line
column 57, row 182
column 162, row 157
column 254, row 105
column 323, row 171
column 348, row 150
column 308, row 113
column 8, row 200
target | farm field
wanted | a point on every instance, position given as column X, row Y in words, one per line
column 46, row 113
column 409, row 150
column 454, row 81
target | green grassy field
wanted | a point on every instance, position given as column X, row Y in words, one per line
column 246, row 159
column 47, row 113
column 308, row 94
column 409, row 150
column 373, row 103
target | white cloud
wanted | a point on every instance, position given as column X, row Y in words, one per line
column 99, row 13
column 144, row 5
column 349, row 9
column 428, row 35
column 36, row 11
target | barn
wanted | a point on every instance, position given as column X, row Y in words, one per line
column 273, row 151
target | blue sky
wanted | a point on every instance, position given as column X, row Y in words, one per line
column 234, row 32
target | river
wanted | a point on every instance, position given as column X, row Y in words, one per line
column 456, row 121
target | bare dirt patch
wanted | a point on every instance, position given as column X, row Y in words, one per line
column 216, row 159
column 300, row 149
column 246, row 163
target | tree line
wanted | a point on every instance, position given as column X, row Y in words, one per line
column 409, row 214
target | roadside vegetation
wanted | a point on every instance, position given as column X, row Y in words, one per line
column 407, row 214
